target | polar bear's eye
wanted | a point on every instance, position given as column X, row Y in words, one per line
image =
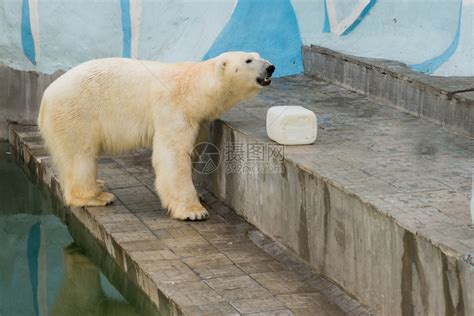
column 248, row 61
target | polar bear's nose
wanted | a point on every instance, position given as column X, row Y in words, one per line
column 270, row 69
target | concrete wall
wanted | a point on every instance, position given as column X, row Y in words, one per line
column 20, row 95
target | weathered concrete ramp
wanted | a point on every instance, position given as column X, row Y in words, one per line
column 223, row 266
column 379, row 204
column 447, row 101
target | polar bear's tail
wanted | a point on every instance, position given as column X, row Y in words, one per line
column 43, row 127
column 41, row 113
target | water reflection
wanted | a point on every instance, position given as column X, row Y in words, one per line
column 42, row 270
column 81, row 291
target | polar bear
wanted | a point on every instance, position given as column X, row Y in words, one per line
column 114, row 105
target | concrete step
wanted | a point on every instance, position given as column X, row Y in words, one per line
column 447, row 101
column 379, row 203
column 222, row 266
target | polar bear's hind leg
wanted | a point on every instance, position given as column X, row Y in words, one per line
column 81, row 187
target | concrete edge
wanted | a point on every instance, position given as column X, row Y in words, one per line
column 441, row 100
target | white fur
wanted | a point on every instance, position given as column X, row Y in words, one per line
column 115, row 105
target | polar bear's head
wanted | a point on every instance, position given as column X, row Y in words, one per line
column 244, row 72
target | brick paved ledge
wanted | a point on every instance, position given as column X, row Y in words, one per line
column 193, row 268
column 448, row 101
column 379, row 204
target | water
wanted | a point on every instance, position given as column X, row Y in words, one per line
column 42, row 270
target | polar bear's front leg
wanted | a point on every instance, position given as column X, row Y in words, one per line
column 172, row 164
column 202, row 136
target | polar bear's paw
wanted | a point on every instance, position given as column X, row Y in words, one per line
column 192, row 213
column 101, row 199
column 106, row 197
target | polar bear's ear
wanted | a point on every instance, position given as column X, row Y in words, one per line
column 221, row 65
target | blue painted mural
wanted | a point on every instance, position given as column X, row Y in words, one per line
column 268, row 27
column 350, row 22
column 27, row 40
column 434, row 63
column 433, row 37
column 126, row 28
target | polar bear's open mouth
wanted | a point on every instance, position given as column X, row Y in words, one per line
column 264, row 81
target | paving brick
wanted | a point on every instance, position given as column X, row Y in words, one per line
column 258, row 305
column 193, row 250
column 153, row 255
column 124, row 226
column 145, row 206
column 238, row 287
column 315, row 311
column 185, row 243
column 133, row 164
column 166, row 271
column 208, row 272
column 261, row 266
column 282, row 282
column 245, row 293
column 230, row 283
column 197, row 298
column 111, row 213
column 117, row 181
column 108, row 170
column 280, row 312
column 209, row 224
column 143, row 245
column 135, row 195
column 133, row 236
column 184, row 287
column 211, row 309
column 183, row 233
column 213, row 265
column 224, row 233
column 243, row 252
column 300, row 300
column 210, row 260
column 162, row 222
